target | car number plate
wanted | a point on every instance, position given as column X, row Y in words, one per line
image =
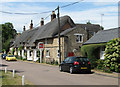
column 83, row 67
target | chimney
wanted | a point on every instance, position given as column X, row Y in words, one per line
column 53, row 15
column 42, row 21
column 24, row 28
column 31, row 25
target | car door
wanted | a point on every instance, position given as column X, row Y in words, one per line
column 69, row 63
column 64, row 66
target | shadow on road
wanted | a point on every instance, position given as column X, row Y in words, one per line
column 82, row 72
column 16, row 71
column 11, row 60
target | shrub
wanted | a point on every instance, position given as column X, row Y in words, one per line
column 100, row 64
column 112, row 55
column 91, row 51
column 56, row 62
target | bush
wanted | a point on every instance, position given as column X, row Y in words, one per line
column 112, row 55
column 24, row 59
column 91, row 51
column 100, row 64
column 19, row 57
column 56, row 62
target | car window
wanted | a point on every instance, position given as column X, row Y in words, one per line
column 81, row 59
column 10, row 55
column 70, row 59
column 66, row 60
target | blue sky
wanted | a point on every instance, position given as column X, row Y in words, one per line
column 80, row 12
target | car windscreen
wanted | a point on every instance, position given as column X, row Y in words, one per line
column 81, row 59
column 11, row 56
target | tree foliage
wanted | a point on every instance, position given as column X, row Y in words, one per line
column 8, row 33
column 112, row 55
column 88, row 22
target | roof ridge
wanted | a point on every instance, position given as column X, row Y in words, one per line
column 111, row 29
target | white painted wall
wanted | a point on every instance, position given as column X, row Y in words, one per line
column 28, row 55
column 35, row 55
column 23, row 54
column 102, row 54
column 19, row 53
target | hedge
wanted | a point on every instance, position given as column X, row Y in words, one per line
column 112, row 55
column 91, row 51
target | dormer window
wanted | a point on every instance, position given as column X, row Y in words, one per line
column 79, row 38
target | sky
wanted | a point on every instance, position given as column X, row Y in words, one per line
column 81, row 12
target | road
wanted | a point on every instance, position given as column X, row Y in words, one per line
column 40, row 74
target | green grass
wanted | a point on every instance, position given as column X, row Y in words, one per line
column 7, row 79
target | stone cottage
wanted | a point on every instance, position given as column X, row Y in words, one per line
column 72, row 37
column 103, row 37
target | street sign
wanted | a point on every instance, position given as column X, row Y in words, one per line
column 40, row 45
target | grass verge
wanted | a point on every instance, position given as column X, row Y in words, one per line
column 7, row 79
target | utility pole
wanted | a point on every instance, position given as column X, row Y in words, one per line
column 59, row 35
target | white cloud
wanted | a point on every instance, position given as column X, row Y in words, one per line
column 19, row 21
column 94, row 15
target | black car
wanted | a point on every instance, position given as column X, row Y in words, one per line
column 3, row 56
column 75, row 64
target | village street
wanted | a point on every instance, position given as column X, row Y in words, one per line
column 41, row 74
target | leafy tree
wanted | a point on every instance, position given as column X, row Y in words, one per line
column 8, row 33
column 112, row 55
column 88, row 22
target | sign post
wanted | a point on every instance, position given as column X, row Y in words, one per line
column 40, row 47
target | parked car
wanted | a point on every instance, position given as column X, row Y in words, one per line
column 75, row 64
column 3, row 56
column 10, row 57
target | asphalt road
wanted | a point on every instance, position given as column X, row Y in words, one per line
column 40, row 74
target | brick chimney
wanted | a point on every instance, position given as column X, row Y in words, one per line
column 53, row 15
column 24, row 28
column 31, row 25
column 42, row 21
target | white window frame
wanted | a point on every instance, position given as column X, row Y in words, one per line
column 79, row 39
column 47, row 55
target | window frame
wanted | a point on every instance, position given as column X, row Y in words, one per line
column 58, row 54
column 48, row 53
column 79, row 38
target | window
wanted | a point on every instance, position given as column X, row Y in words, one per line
column 47, row 53
column 38, row 53
column 79, row 38
column 58, row 53
column 30, row 53
column 66, row 60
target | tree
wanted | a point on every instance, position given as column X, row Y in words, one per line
column 89, row 22
column 8, row 33
column 112, row 55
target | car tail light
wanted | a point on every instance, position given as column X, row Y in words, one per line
column 88, row 62
column 76, row 63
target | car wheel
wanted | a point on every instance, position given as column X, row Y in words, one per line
column 71, row 70
column 60, row 68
